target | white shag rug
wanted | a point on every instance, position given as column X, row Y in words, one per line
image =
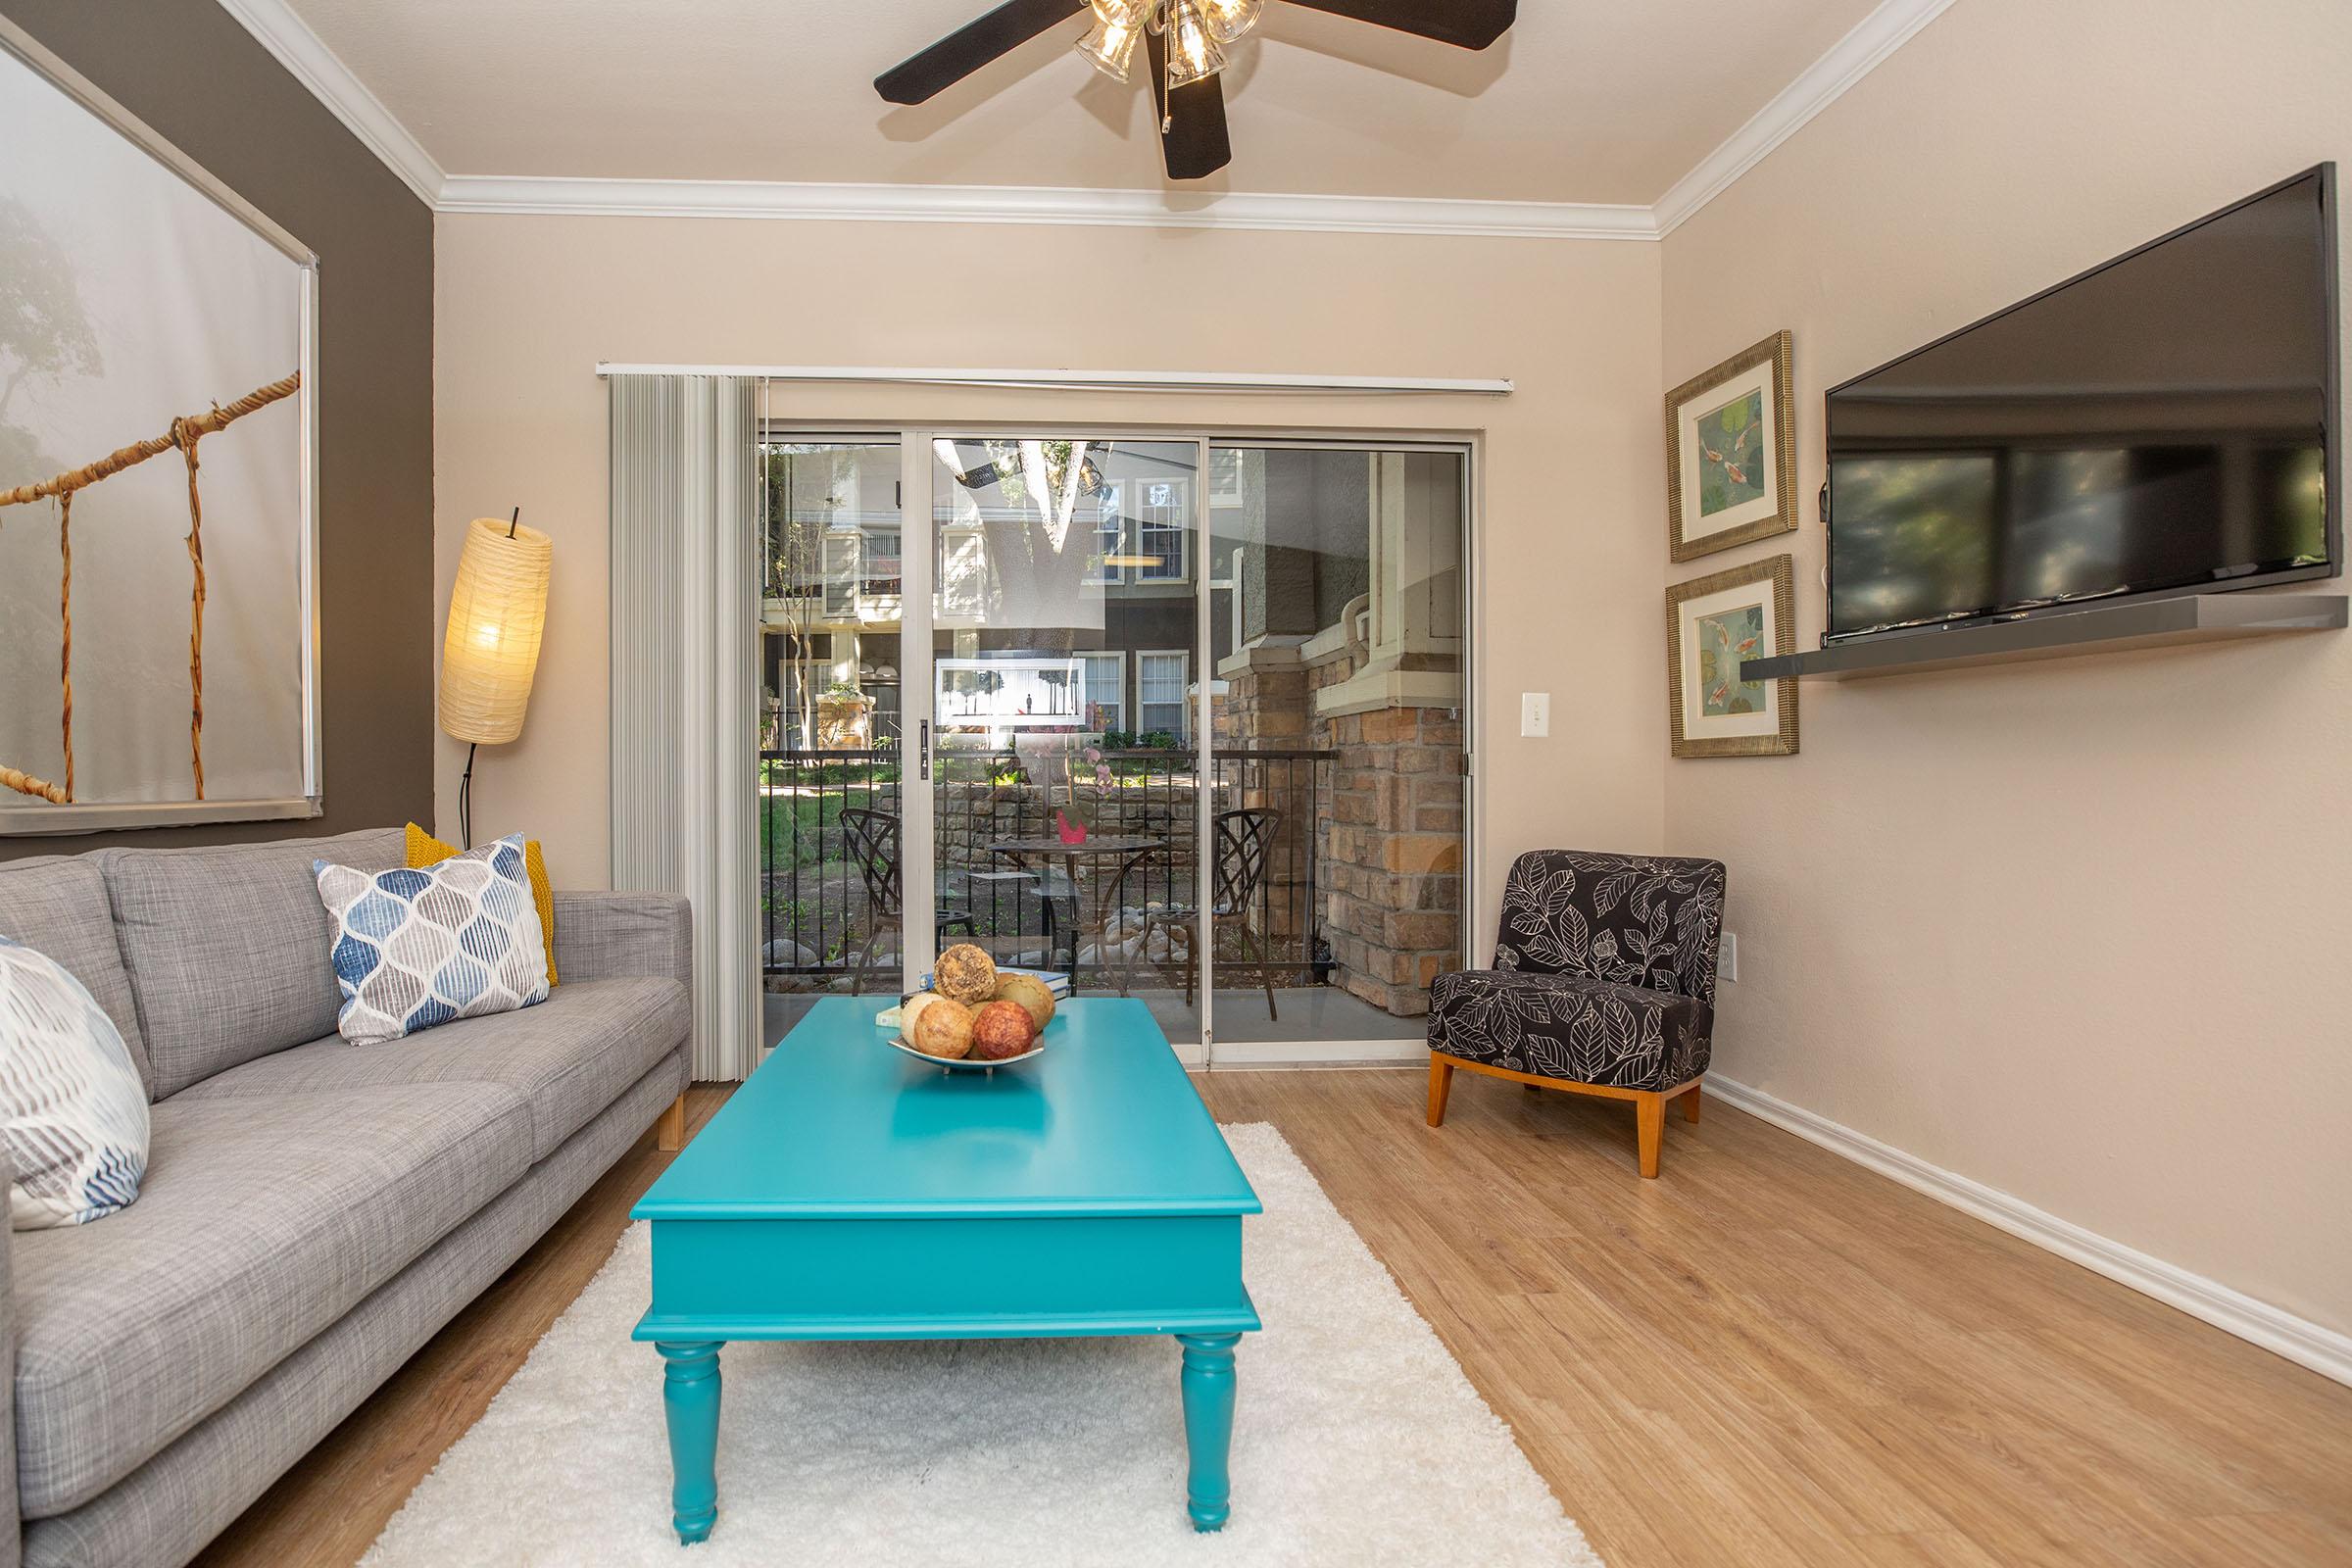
column 1357, row 1440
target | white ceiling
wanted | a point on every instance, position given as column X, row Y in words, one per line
column 1585, row 101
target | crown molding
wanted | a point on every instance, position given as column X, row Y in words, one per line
column 1042, row 204
column 316, row 67
column 1819, row 85
column 287, row 37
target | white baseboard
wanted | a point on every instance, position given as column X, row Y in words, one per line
column 2323, row 1349
column 1319, row 1054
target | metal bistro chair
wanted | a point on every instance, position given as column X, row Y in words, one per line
column 1244, row 843
column 872, row 838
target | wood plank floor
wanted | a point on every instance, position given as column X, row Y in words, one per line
column 1768, row 1356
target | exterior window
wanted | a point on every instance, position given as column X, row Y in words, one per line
column 1160, row 705
column 1166, row 541
column 841, row 575
column 1163, row 529
column 1110, row 533
column 882, row 561
column 1105, row 691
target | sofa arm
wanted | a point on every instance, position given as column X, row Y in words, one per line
column 601, row 936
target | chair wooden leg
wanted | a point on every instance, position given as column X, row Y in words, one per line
column 1650, row 1117
column 669, row 1133
column 1690, row 1099
column 1440, row 1082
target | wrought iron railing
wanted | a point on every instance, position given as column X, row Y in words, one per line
column 818, row 911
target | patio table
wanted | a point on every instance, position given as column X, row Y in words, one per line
column 1113, row 852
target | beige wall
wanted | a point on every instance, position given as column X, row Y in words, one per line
column 2074, row 929
column 528, row 305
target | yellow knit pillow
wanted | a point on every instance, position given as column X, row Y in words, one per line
column 425, row 849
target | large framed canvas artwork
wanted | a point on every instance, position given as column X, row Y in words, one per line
column 158, row 508
column 1714, row 625
column 1731, row 453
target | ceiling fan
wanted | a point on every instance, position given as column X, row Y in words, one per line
column 1184, row 43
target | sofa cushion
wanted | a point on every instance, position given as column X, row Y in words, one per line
column 58, row 906
column 568, row 1057
column 262, row 1222
column 226, row 948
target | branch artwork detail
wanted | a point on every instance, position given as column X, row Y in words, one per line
column 185, row 432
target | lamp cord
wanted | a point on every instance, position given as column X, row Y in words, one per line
column 465, row 800
column 514, row 523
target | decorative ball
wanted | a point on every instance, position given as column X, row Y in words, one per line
column 965, row 974
column 1001, row 1029
column 912, row 1009
column 1031, row 993
column 943, row 1029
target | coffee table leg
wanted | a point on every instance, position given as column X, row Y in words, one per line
column 1209, row 1425
column 690, row 1398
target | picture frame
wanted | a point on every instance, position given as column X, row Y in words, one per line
column 1741, row 613
column 1731, row 453
column 182, row 311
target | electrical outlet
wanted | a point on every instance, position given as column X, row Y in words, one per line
column 1535, row 712
column 1727, row 960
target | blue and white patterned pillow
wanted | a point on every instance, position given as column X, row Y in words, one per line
column 71, row 1105
column 413, row 948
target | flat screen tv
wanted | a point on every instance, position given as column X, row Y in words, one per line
column 2164, row 424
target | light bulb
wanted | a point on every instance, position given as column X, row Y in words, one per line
column 1228, row 20
column 1109, row 45
column 1192, row 52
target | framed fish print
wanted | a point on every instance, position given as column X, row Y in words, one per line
column 1731, row 453
column 1714, row 625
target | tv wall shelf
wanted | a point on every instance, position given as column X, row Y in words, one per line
column 2092, row 629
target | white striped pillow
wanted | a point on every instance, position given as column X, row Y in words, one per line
column 73, row 1110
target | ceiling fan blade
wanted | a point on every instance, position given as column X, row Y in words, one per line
column 1196, row 144
column 1464, row 23
column 971, row 46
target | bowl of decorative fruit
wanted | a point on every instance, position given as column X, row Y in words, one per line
column 976, row 1017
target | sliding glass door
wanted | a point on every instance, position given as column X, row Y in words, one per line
column 1064, row 747
column 1339, row 745
column 1179, row 719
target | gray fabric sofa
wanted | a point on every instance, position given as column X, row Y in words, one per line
column 313, row 1210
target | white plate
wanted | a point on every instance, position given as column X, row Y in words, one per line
column 966, row 1063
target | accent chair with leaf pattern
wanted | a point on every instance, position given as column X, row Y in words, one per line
column 1604, row 984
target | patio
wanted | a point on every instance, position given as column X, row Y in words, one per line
column 830, row 893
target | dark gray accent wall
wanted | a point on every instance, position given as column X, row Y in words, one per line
column 189, row 71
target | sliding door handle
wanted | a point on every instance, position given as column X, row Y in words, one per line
column 925, row 745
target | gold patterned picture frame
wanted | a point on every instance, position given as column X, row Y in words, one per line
column 1713, row 623
column 1731, row 453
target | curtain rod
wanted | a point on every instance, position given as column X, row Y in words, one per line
column 1084, row 381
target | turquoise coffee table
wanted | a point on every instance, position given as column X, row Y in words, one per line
column 848, row 1192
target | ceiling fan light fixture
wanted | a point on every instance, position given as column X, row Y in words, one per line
column 1228, row 20
column 1109, row 45
column 1194, row 54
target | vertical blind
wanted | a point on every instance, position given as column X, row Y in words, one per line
column 685, row 609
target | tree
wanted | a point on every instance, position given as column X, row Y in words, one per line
column 44, row 333
column 804, row 485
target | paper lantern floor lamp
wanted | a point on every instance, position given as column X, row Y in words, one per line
column 497, row 613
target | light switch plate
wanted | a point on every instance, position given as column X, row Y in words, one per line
column 1535, row 712
column 1727, row 963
